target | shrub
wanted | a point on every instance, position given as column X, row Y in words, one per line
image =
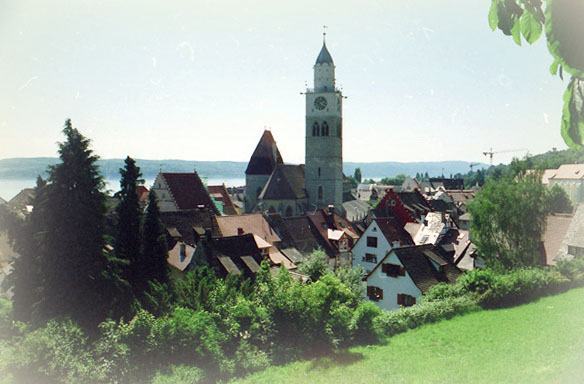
column 390, row 323
column 180, row 374
column 573, row 269
column 363, row 323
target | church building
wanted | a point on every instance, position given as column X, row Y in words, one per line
column 293, row 190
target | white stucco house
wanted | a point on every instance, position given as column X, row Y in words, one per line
column 380, row 237
column 407, row 273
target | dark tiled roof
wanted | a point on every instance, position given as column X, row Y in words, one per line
column 188, row 190
column 265, row 157
column 324, row 57
column 415, row 203
column 285, row 183
column 393, row 231
column 298, row 232
column 323, row 220
column 24, row 197
column 437, row 182
column 442, row 206
column 187, row 225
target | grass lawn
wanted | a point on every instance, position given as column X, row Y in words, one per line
column 540, row 342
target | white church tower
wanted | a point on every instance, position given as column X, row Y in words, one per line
column 324, row 135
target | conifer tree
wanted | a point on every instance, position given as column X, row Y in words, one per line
column 127, row 237
column 154, row 247
column 72, row 258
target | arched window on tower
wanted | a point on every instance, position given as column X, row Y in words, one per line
column 320, row 192
column 325, row 129
column 315, row 129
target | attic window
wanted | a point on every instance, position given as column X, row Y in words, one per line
column 372, row 242
column 374, row 293
column 183, row 252
column 392, row 203
column 370, row 258
column 393, row 270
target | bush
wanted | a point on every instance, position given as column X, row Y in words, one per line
column 363, row 323
column 390, row 323
column 180, row 374
column 572, row 269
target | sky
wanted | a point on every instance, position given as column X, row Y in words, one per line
column 425, row 80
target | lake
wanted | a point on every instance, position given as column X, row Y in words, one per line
column 10, row 187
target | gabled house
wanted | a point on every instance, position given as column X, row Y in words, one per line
column 380, row 237
column 407, row 273
column 181, row 192
column 564, row 236
column 220, row 194
column 142, row 193
column 256, row 224
column 184, row 229
column 328, row 224
column 571, row 178
column 229, row 255
column 407, row 207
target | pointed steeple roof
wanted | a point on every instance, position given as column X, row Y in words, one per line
column 324, row 57
column 265, row 157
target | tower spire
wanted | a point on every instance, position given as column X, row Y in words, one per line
column 324, row 27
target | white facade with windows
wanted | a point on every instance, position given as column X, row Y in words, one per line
column 371, row 248
column 391, row 284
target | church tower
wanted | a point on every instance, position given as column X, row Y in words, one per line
column 324, row 136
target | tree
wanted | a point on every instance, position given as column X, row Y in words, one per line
column 509, row 219
column 316, row 265
column 562, row 22
column 71, row 236
column 559, row 200
column 358, row 175
column 128, row 237
column 154, row 248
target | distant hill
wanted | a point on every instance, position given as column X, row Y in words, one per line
column 30, row 168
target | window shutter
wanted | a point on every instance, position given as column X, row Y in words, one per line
column 380, row 293
column 369, row 292
column 402, row 271
column 400, row 299
column 384, row 268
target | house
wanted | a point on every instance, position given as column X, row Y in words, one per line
column 407, row 207
column 564, row 236
column 2, row 201
column 356, row 210
column 184, row 229
column 22, row 202
column 380, row 237
column 299, row 237
column 220, row 194
column 255, row 223
column 181, row 192
column 571, row 178
column 434, row 226
column 328, row 224
column 142, row 193
column 229, row 255
column 407, row 273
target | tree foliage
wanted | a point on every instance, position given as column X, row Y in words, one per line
column 509, row 219
column 562, row 22
column 154, row 248
column 559, row 200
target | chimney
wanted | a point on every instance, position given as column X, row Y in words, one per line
column 240, row 231
column 331, row 209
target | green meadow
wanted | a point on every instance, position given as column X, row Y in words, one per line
column 539, row 342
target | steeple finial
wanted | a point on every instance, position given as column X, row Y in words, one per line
column 324, row 27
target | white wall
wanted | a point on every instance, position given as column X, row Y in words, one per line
column 360, row 248
column 392, row 286
column 165, row 201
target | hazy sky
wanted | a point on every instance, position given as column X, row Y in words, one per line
column 426, row 80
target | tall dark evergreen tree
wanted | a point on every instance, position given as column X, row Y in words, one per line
column 128, row 241
column 72, row 257
column 154, row 247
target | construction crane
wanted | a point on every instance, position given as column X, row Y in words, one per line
column 490, row 152
column 473, row 165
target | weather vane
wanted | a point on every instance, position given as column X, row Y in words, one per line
column 324, row 27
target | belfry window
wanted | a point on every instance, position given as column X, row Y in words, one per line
column 325, row 129
column 318, row 171
column 315, row 129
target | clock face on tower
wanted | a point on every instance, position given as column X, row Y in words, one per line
column 320, row 103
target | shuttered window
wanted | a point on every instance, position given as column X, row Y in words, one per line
column 374, row 293
column 393, row 270
column 405, row 300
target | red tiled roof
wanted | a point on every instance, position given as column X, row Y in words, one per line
column 265, row 157
column 188, row 191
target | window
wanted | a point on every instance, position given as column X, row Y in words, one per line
column 393, row 270
column 183, row 252
column 318, row 171
column 372, row 241
column 320, row 192
column 370, row 258
column 325, row 129
column 315, row 129
column 575, row 251
column 405, row 300
column 374, row 293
